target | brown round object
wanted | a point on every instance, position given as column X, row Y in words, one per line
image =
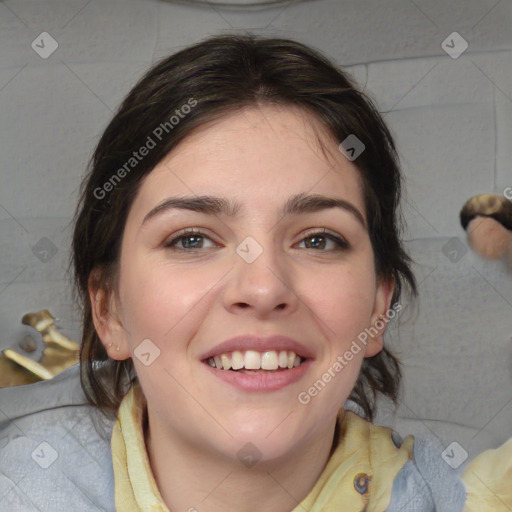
column 487, row 205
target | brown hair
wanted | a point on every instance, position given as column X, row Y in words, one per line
column 222, row 75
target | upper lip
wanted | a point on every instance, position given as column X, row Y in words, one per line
column 259, row 344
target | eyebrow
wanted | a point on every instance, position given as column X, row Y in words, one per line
column 299, row 204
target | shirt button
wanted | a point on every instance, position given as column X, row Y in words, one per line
column 361, row 483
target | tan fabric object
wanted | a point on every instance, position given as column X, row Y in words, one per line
column 488, row 479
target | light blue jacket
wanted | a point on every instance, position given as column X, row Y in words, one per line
column 53, row 459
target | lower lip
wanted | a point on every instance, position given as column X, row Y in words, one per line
column 261, row 381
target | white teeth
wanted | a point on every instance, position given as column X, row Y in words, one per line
column 283, row 359
column 237, row 360
column 269, row 360
column 253, row 360
column 226, row 363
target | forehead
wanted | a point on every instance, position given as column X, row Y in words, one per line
column 283, row 125
column 262, row 152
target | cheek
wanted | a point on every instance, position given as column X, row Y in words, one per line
column 162, row 305
column 342, row 298
column 161, row 301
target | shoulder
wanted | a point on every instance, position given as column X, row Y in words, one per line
column 54, row 448
column 426, row 482
column 410, row 474
column 404, row 475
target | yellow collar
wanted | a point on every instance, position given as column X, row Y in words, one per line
column 359, row 474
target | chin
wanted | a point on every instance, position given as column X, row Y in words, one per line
column 275, row 434
column 252, row 450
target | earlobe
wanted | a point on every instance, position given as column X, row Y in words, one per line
column 108, row 327
column 380, row 316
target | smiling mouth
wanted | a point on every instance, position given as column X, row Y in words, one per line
column 251, row 361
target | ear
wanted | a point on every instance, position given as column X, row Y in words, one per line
column 107, row 322
column 380, row 317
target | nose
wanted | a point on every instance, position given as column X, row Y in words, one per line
column 261, row 282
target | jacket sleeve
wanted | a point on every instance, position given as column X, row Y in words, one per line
column 427, row 484
column 52, row 456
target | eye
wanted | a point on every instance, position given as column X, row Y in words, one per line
column 192, row 238
column 320, row 238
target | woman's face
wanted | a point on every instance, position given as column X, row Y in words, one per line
column 252, row 272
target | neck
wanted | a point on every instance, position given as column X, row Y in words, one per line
column 189, row 479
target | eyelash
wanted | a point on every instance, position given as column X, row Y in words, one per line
column 339, row 241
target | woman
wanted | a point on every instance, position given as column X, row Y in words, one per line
column 237, row 254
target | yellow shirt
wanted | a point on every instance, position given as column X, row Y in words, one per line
column 360, row 472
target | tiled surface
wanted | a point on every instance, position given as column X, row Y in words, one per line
column 457, row 345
